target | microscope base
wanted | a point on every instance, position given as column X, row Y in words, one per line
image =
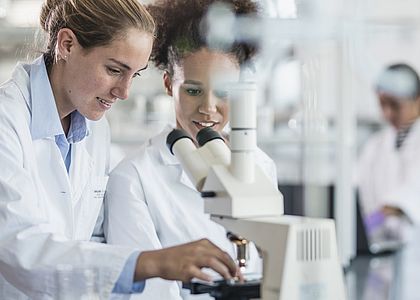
column 224, row 290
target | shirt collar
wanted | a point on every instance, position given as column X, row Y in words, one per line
column 45, row 119
column 78, row 129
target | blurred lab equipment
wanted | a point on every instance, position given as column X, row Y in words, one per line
column 4, row 6
column 239, row 196
column 320, row 131
column 133, row 122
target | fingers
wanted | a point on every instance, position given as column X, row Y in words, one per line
column 218, row 266
column 239, row 276
column 197, row 273
column 219, row 260
column 229, row 267
column 184, row 262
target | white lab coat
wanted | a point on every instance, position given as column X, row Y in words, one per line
column 389, row 177
column 151, row 203
column 46, row 215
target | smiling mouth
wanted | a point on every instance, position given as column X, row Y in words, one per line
column 104, row 102
column 202, row 124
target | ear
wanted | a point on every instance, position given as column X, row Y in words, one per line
column 66, row 43
column 167, row 81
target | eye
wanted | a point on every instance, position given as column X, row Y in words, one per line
column 113, row 71
column 193, row 91
column 137, row 74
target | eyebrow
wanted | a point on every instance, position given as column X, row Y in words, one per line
column 190, row 81
column 125, row 66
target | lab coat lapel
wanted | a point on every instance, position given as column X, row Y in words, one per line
column 51, row 165
column 412, row 139
column 408, row 157
column 56, row 186
column 80, row 170
column 185, row 180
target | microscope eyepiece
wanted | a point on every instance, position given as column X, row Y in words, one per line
column 174, row 136
column 206, row 135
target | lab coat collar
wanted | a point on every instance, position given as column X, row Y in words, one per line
column 412, row 137
column 78, row 128
column 45, row 119
column 415, row 126
column 160, row 141
column 391, row 134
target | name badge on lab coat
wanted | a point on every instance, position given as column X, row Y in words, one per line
column 90, row 208
column 99, row 187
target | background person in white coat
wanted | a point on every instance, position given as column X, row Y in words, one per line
column 150, row 201
column 389, row 166
column 54, row 155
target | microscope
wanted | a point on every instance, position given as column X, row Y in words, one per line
column 300, row 259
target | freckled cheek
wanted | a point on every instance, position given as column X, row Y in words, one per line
column 98, row 83
column 96, row 87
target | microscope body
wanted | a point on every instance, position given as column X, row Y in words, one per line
column 299, row 254
column 300, row 259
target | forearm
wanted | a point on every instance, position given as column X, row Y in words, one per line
column 148, row 265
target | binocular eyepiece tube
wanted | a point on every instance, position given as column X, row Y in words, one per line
column 197, row 161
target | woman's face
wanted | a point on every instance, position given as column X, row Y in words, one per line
column 91, row 81
column 198, row 87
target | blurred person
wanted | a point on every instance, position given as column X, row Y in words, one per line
column 389, row 165
column 150, row 201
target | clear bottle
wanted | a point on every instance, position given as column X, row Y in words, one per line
column 64, row 274
column 76, row 283
column 91, row 291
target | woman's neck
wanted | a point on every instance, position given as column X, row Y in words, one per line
column 64, row 109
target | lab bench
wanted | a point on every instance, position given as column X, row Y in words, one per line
column 394, row 276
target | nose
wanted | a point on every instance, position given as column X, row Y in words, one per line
column 121, row 90
column 208, row 105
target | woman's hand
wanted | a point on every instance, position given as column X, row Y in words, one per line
column 184, row 262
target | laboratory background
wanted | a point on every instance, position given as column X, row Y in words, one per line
column 317, row 107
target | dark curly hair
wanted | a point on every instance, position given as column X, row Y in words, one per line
column 178, row 30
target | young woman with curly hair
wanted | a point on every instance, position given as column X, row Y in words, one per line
column 150, row 201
